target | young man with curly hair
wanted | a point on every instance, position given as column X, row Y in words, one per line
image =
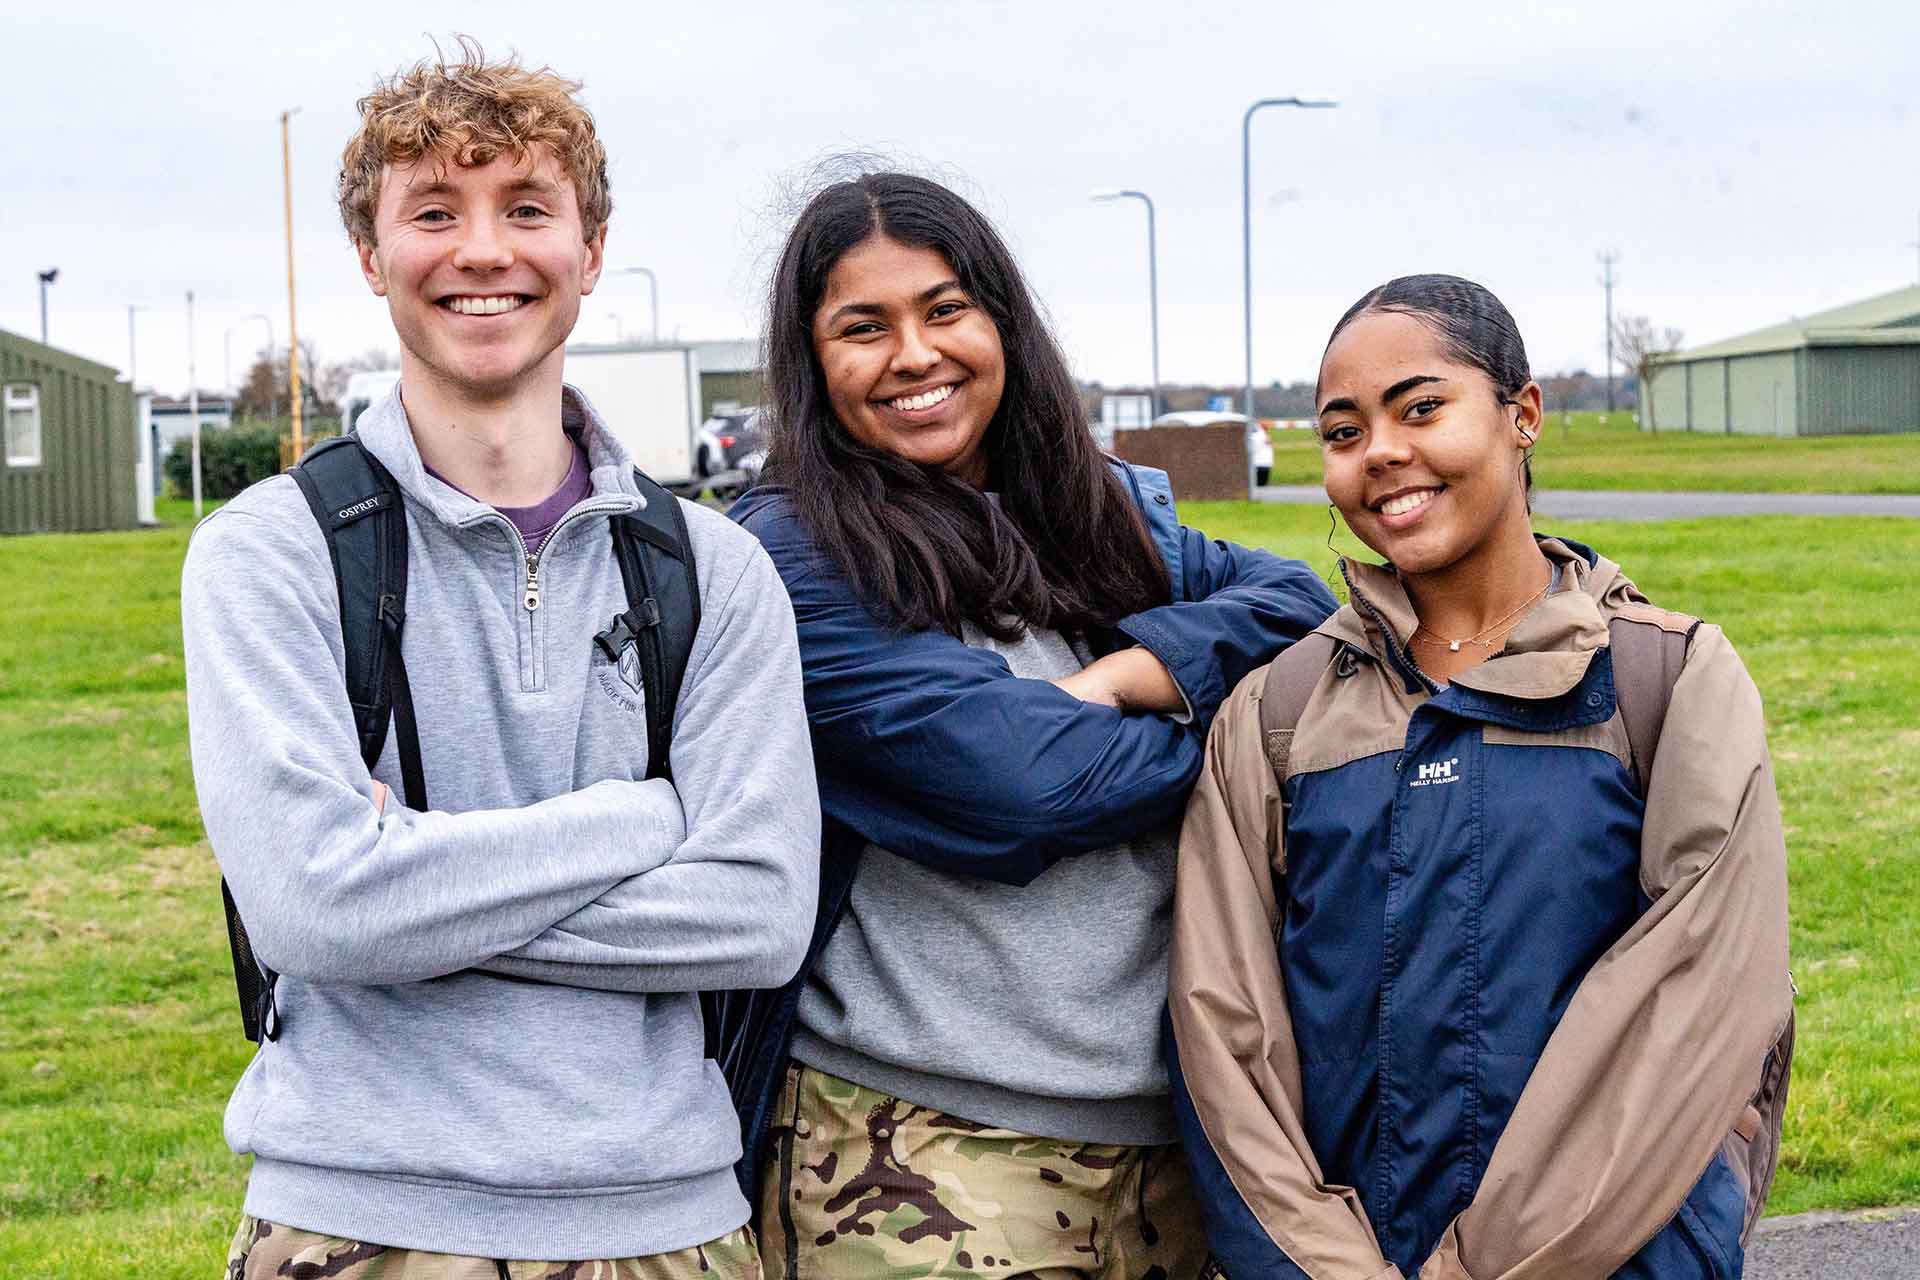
column 488, row 1045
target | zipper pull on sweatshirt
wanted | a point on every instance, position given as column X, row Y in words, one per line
column 533, row 583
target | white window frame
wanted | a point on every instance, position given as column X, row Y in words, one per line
column 16, row 396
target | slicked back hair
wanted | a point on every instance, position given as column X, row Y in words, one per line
column 1473, row 325
column 1064, row 547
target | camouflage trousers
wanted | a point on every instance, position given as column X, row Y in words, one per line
column 266, row 1249
column 864, row 1186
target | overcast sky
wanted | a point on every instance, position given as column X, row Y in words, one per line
column 1747, row 161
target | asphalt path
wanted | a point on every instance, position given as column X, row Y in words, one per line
column 1617, row 504
column 1880, row 1243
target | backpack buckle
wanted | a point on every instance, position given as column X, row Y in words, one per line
column 266, row 1013
column 626, row 627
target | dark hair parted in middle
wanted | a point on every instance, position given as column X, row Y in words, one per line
column 1063, row 548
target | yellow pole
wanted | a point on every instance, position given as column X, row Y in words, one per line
column 293, row 326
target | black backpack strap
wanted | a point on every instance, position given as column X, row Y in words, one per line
column 359, row 509
column 1649, row 648
column 663, row 610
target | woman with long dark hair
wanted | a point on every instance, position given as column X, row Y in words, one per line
column 1011, row 652
column 1479, row 964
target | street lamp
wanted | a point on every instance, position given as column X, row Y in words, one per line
column 47, row 277
column 193, row 405
column 132, row 308
column 1246, row 234
column 227, row 345
column 294, row 399
column 653, row 293
column 1153, row 280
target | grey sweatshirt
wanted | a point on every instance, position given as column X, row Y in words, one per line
column 416, row 1097
column 1034, row 1008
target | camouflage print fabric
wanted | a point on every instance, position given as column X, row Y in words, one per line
column 265, row 1251
column 864, row 1186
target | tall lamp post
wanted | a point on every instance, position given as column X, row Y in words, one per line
column 132, row 381
column 47, row 277
column 1246, row 234
column 293, row 324
column 1153, row 280
column 653, row 294
column 193, row 405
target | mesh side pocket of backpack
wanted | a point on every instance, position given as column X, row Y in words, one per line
column 249, row 983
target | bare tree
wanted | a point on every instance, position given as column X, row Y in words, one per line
column 1641, row 346
column 263, row 391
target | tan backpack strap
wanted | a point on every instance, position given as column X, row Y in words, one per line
column 1649, row 649
column 1291, row 679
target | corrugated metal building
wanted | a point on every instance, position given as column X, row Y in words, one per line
column 1852, row 370
column 68, row 445
column 729, row 373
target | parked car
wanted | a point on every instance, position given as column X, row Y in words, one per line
column 1259, row 443
column 728, row 439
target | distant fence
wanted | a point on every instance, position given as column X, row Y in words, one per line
column 1204, row 463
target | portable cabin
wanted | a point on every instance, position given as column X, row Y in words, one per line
column 69, row 448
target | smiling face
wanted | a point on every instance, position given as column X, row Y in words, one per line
column 913, row 365
column 1419, row 454
column 483, row 268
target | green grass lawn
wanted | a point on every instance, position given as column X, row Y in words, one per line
column 119, row 1040
column 1581, row 451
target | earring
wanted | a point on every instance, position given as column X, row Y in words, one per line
column 1335, row 582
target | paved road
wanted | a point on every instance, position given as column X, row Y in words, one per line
column 1579, row 504
column 1883, row 1244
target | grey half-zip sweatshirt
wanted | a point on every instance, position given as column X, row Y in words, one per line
column 416, row 1097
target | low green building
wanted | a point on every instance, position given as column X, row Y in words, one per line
column 68, row 446
column 1852, row 370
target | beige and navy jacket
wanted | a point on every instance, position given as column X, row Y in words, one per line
column 1452, row 998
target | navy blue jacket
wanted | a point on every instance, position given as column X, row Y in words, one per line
column 935, row 751
column 1477, row 1007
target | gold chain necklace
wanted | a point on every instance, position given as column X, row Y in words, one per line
column 1479, row 638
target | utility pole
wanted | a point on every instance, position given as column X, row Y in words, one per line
column 1607, row 260
column 293, row 324
column 193, row 405
column 47, row 277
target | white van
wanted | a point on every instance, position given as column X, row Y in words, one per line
column 363, row 391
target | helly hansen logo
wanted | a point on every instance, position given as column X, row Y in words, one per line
column 1437, row 774
column 365, row 507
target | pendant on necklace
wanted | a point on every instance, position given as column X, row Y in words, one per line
column 1453, row 646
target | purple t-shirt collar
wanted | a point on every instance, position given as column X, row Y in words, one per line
column 537, row 521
